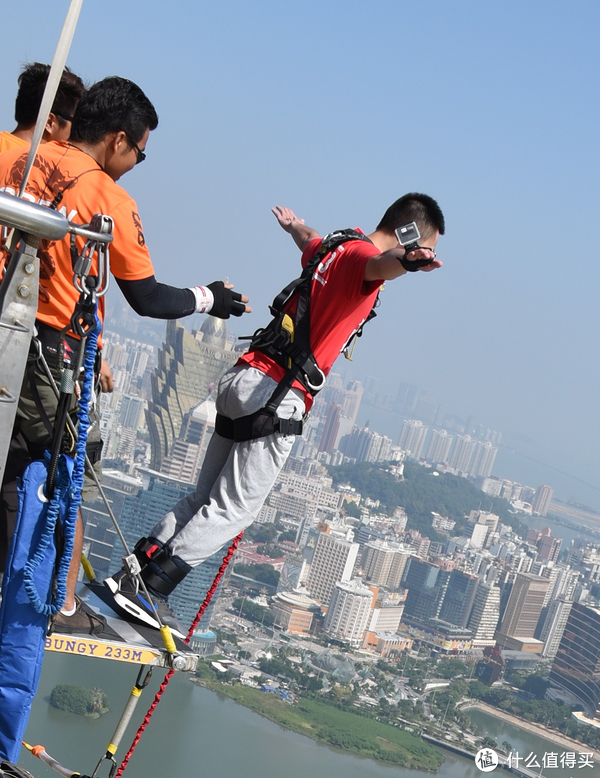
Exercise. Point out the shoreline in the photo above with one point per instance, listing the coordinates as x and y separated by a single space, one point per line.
536 729
307 731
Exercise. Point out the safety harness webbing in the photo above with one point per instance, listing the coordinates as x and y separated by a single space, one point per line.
286 340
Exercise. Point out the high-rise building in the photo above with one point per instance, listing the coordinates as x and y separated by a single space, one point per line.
383 563
365 445
460 458
406 398
131 411
387 612
554 626
458 600
333 561
412 437
380 448
351 402
485 615
189 366
427 584
189 448
576 666
439 447
548 546
330 431
99 532
523 610
483 460
541 499
349 611
479 534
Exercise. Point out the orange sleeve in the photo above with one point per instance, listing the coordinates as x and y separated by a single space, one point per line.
129 255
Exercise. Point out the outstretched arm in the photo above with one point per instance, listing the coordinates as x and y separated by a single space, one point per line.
387 266
289 222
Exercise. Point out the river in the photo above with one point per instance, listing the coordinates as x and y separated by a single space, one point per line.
195 731
525 743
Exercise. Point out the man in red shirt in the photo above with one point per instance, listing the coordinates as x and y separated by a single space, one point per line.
109 133
238 472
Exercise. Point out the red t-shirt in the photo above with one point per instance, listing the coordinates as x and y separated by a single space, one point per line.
340 301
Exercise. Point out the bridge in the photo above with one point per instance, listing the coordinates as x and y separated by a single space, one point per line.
523 772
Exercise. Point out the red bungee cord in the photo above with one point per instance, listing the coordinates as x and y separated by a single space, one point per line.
167 678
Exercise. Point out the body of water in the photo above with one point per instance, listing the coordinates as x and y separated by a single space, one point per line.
193 732
197 732
568 534
525 743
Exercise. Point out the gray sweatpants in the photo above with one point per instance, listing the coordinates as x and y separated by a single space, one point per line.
235 478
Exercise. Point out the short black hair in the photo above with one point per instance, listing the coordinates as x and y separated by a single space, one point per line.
32 82
414 207
111 105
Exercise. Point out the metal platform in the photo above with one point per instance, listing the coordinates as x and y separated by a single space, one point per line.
123 641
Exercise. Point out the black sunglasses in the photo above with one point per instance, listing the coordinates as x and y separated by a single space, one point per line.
141 155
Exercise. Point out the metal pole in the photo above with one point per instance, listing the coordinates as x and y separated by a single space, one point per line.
54 77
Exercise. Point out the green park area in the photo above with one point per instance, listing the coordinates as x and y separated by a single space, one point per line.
340 728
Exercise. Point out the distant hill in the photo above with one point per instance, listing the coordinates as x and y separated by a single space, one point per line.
421 492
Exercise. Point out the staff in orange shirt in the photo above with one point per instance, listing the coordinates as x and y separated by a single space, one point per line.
32 82
109 133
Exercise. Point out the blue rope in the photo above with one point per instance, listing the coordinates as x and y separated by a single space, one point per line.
69 490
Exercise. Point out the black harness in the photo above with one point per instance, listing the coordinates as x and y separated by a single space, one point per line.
286 340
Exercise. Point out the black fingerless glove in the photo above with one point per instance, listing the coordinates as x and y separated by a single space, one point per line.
227 302
412 265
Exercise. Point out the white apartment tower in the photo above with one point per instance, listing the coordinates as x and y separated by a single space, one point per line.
485 615
349 611
439 447
333 561
541 499
483 459
460 459
412 437
554 626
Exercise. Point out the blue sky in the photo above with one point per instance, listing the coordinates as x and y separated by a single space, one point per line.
337 108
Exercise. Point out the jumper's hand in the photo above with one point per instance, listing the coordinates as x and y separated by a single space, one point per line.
107 380
286 217
420 255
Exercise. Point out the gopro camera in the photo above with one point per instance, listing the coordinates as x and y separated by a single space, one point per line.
408 236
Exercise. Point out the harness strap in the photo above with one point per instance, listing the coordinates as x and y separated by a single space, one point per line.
263 422
286 340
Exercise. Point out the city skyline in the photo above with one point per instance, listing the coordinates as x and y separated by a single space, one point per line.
355 400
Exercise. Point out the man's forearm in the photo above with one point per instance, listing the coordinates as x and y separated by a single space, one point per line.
387 266
302 234
150 298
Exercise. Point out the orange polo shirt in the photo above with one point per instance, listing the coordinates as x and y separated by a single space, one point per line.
62 169
9 141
